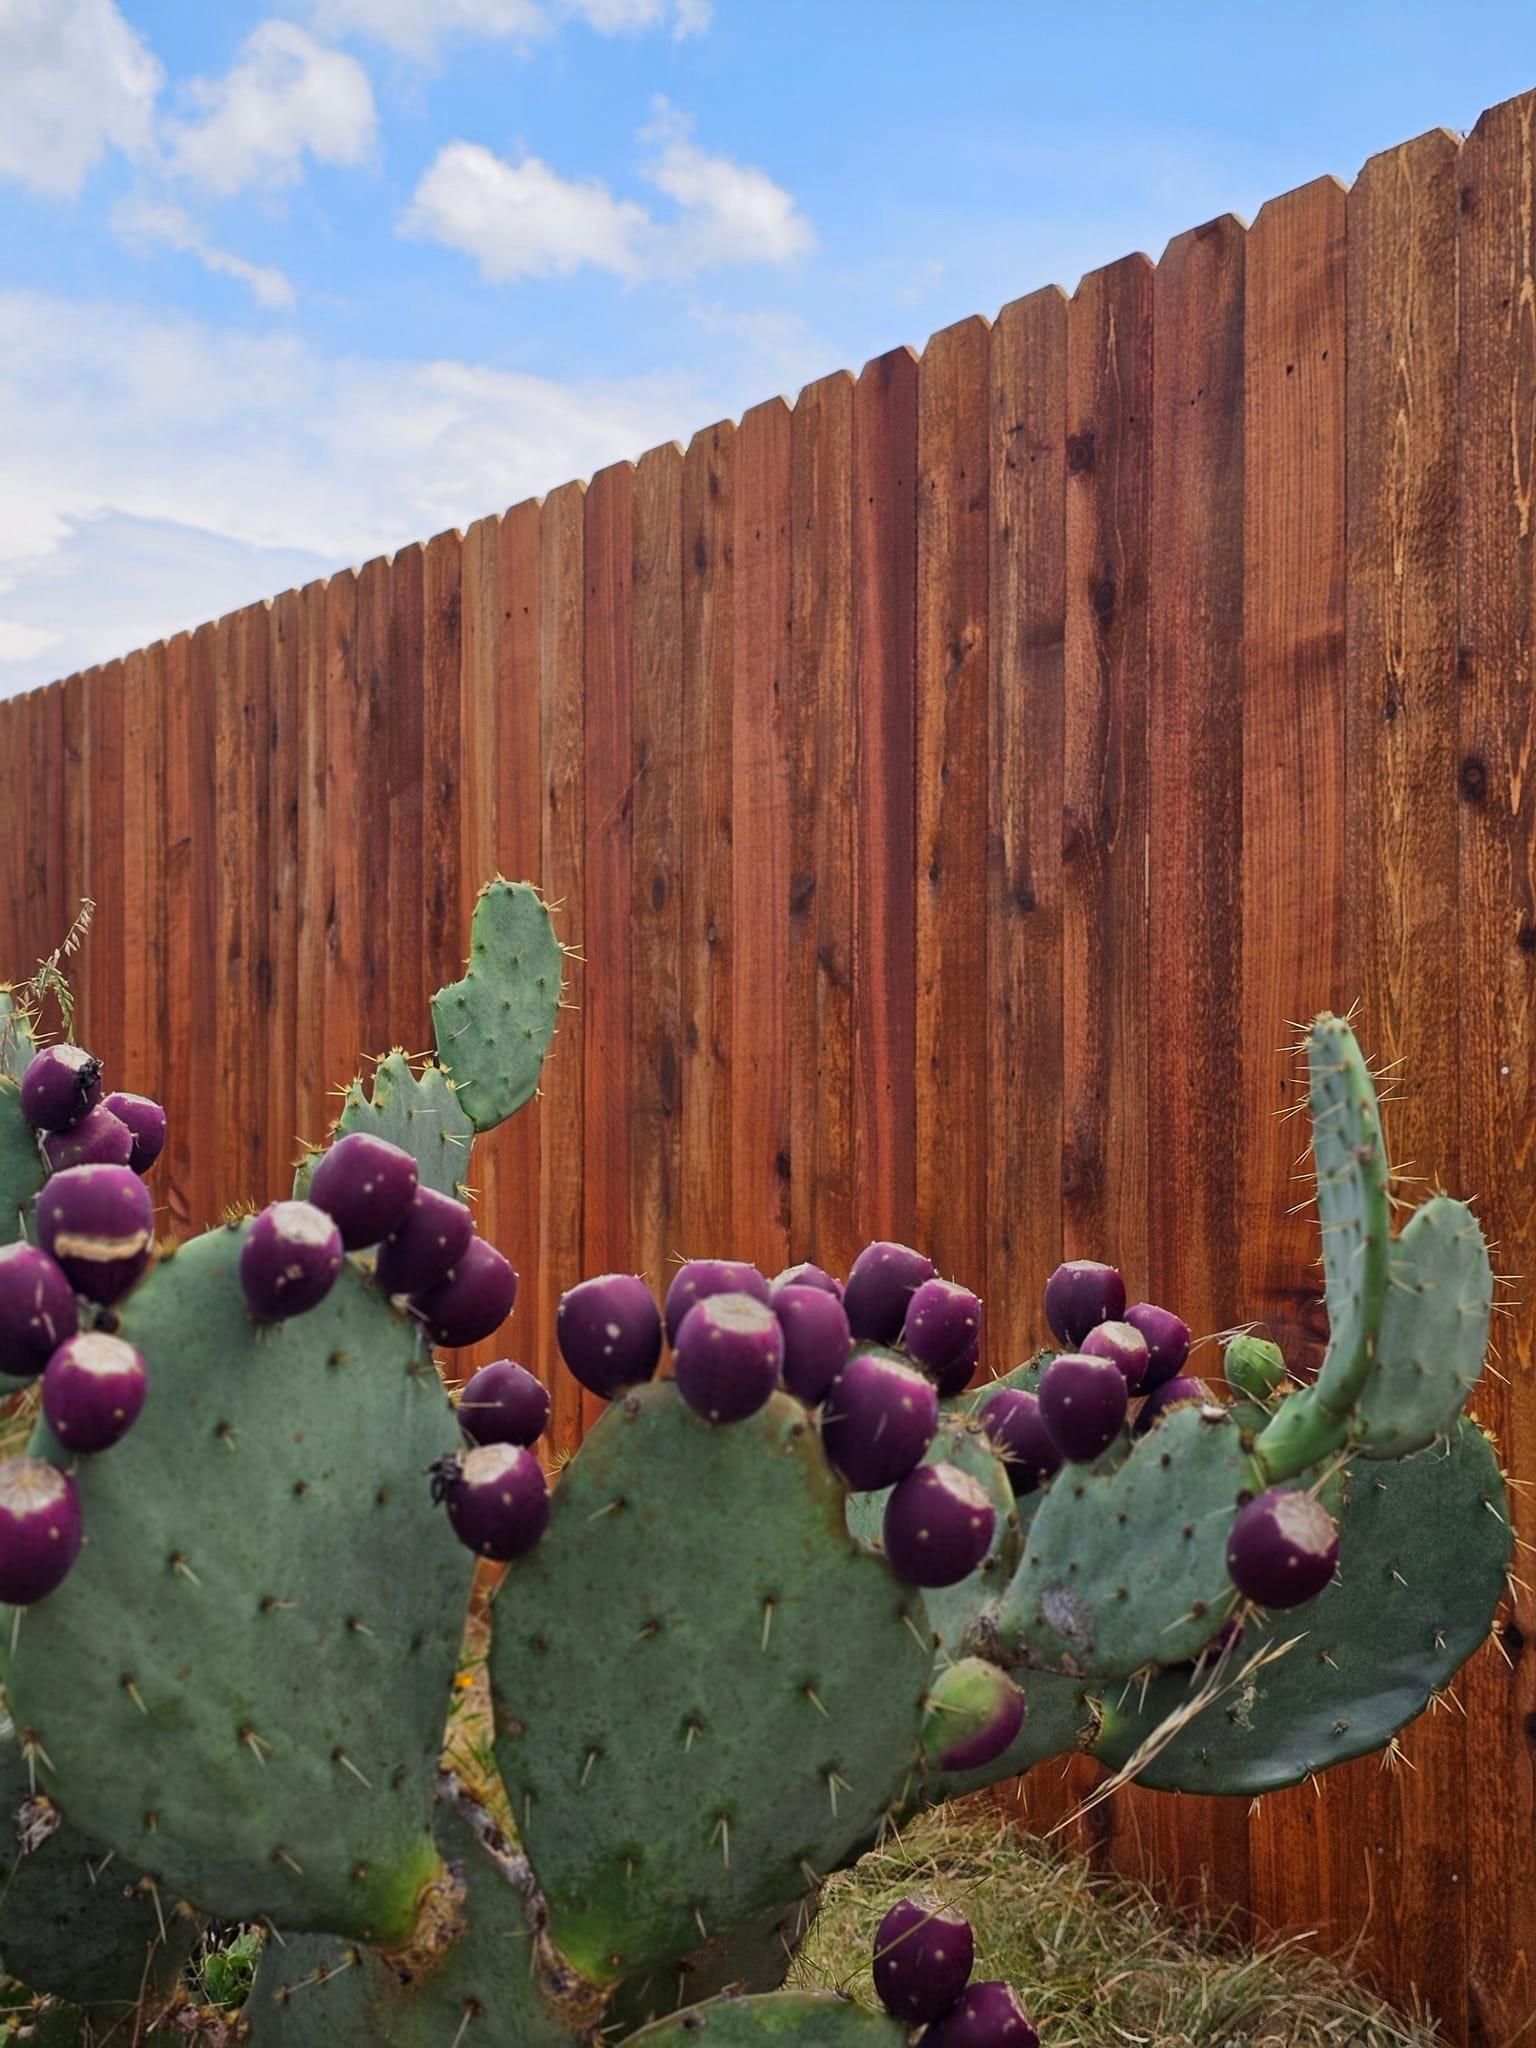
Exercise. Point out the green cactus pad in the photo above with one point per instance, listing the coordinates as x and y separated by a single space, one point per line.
799 2019
1025 1377
17 1042
752 1958
74 1922
418 1111
317 1992
696 1606
1424 1547
494 1026
1126 1568
22 1172
1434 1331
242 1683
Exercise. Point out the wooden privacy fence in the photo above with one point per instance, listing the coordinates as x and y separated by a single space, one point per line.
953 783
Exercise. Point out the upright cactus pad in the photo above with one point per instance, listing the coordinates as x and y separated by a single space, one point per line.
1434 1331
1425 1546
17 1043
494 1026
776 2019
21 1164
418 1110
241 1685
695 1609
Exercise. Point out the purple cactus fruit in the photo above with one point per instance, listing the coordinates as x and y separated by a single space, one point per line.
39 1529
289 1261
99 1223
60 1084
1123 1345
728 1354
1167 1338
146 1126
924 1951
427 1245
938 1526
98 1139
1013 1422
958 1374
974 1711
805 1275
503 1404
1080 1294
1082 1403
475 1299
986 2015
37 1310
366 1186
881 1282
497 1499
942 1331
1282 1548
1178 1392
700 1278
880 1417
609 1332
93 1390
815 1340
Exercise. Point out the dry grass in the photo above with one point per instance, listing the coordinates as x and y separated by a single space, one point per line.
1098 1963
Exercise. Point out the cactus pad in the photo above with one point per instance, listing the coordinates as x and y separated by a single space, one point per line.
696 1606
17 1043
1434 1331
494 1026
21 1164
419 1112
1127 1567
1421 1572
795 2019
242 1684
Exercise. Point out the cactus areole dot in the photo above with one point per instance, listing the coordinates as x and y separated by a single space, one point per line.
93 1390
366 1186
924 1951
497 1499
1080 1294
99 1223
608 1329
37 1309
1282 1548
728 1354
61 1083
881 1283
289 1261
146 1124
503 1404
938 1526
879 1418
39 1529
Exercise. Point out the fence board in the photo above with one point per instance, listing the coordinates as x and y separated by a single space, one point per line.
285 1115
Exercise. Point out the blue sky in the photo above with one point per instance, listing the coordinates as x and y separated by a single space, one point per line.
285 285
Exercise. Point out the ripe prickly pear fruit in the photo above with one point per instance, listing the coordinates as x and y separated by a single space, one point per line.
1179 1392
728 1353
93 1389
942 1331
289 1261
1282 1548
1083 1402
98 1139
609 1332
879 1418
475 1299
427 1245
699 1278
815 1339
805 1274
938 1526
973 1712
881 1283
1123 1345
1016 1429
1253 1367
366 1186
924 1951
503 1404
60 1084
37 1310
1080 1294
986 2015
497 1499
39 1529
146 1126
1167 1338
99 1223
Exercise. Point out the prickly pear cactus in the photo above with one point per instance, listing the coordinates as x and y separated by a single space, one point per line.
495 1025
416 1108
795 2019
1434 1332
17 1039
22 1172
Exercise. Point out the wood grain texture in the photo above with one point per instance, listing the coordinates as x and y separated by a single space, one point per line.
404 739
285 1116
446 943
377 945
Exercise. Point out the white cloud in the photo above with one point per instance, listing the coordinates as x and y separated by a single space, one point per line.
23 643
75 81
145 223
285 97
420 28
525 220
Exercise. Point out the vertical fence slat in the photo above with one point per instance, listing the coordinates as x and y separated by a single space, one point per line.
378 944
409 983
885 905
656 754
446 943
134 1061
286 1117
18 770
99 974
1496 919
953 432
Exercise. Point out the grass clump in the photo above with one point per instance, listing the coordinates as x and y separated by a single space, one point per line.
1097 1960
